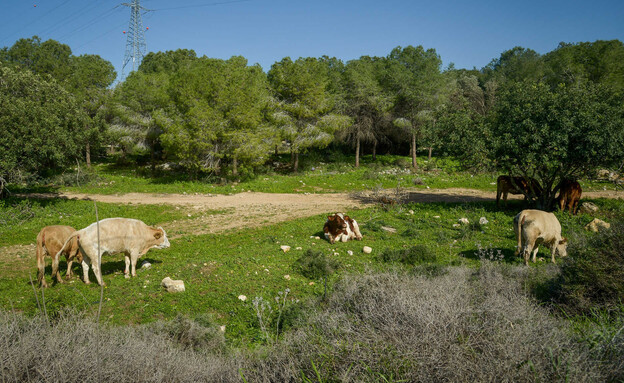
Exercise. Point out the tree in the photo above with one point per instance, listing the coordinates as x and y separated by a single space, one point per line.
516 64
90 77
47 58
552 135
414 79
217 114
41 125
365 103
304 105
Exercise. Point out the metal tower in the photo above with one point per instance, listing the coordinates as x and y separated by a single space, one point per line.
135 41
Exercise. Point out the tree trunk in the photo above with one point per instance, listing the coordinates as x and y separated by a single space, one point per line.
296 163
276 153
234 166
430 149
88 154
357 153
153 161
375 151
413 150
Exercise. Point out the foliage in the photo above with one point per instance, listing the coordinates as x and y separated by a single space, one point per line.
41 122
314 264
410 256
592 277
556 134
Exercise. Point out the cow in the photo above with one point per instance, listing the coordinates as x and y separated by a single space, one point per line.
49 241
570 192
340 227
117 235
534 227
516 185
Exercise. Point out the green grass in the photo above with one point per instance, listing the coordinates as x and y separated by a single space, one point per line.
216 269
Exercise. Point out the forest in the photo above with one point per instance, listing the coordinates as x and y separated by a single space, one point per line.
551 117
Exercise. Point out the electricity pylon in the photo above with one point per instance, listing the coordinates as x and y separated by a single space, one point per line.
135 41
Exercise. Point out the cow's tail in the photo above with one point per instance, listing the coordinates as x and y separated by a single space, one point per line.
518 222
65 244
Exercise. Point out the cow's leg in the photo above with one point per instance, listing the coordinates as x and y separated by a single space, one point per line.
97 270
127 260
535 253
505 198
85 269
69 273
356 231
41 266
552 252
575 209
498 195
55 268
134 256
528 247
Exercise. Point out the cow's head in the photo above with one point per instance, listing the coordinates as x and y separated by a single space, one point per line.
562 246
161 239
336 222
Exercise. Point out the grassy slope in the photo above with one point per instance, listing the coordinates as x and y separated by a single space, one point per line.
218 268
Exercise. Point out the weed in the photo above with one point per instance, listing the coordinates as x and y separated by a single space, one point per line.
416 254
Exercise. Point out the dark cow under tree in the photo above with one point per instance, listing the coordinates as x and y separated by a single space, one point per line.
530 187
570 192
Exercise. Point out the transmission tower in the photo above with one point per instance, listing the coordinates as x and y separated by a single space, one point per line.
135 41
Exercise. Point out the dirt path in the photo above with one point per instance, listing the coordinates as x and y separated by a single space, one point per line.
251 209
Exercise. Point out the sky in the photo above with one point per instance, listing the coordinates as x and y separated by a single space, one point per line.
468 34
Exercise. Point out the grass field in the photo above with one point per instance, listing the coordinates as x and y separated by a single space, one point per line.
218 268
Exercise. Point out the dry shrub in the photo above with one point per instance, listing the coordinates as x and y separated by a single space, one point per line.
66 351
459 327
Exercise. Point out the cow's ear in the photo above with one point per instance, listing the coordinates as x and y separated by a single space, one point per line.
158 234
330 217
564 240
346 218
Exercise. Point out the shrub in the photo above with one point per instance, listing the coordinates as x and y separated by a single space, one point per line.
592 276
315 264
411 256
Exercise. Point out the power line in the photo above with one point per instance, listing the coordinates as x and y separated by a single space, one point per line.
92 21
35 20
201 5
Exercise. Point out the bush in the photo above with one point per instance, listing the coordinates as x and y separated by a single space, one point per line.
416 254
315 264
592 276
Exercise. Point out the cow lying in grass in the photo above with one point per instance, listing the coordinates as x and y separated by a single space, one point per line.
534 227
117 235
340 227
49 242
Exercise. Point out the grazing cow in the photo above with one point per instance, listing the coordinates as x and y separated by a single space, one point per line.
570 193
340 227
516 185
533 227
49 241
118 235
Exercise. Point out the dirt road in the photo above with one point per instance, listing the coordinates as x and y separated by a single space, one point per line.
251 209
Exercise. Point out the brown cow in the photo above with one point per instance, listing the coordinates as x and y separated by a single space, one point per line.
570 193
534 227
516 185
49 241
117 235
340 227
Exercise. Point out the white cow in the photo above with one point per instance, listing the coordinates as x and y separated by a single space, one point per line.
533 227
117 235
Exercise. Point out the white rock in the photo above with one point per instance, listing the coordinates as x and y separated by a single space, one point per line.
146 265
367 249
456 225
588 208
242 297
298 248
389 229
436 216
222 328
173 286
463 221
596 225
483 221
287 277
411 212
350 252
285 248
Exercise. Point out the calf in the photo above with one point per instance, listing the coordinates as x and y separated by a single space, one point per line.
516 185
340 227
570 193
533 227
118 235
49 242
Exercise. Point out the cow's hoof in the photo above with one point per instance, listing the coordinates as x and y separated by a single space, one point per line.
127 276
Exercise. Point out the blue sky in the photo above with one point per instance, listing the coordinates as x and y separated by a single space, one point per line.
467 33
